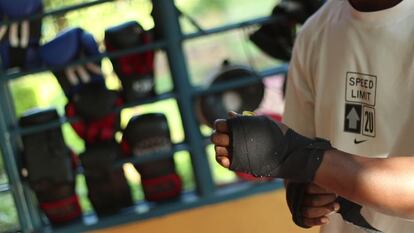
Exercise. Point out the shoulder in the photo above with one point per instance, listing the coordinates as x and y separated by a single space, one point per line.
328 14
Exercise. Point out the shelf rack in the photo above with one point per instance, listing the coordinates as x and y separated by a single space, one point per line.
184 92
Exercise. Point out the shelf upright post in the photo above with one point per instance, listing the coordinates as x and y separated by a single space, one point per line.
29 217
166 19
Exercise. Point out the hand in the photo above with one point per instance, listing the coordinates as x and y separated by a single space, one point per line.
317 205
221 140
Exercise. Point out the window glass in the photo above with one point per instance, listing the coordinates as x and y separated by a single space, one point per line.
8 214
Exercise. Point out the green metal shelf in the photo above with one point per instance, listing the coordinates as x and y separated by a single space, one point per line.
197 91
14 74
232 26
242 82
153 156
58 11
206 192
57 123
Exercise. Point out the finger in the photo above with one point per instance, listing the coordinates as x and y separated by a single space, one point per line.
317 200
316 212
315 189
223 161
310 222
220 139
232 114
221 151
221 126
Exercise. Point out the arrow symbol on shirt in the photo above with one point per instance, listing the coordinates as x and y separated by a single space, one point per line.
353 119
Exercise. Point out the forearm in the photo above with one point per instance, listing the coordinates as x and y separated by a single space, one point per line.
384 184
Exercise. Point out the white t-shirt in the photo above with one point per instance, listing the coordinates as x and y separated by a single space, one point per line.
351 80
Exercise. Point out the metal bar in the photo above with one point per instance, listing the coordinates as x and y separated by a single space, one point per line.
148 157
191 20
143 48
233 26
188 201
196 91
24 209
282 69
4 188
167 20
240 82
38 128
11 119
57 123
163 96
58 11
139 49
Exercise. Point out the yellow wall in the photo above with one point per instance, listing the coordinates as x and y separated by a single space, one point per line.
262 213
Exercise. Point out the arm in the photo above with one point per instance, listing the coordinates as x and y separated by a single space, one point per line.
317 202
384 184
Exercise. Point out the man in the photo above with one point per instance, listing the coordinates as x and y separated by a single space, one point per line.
351 81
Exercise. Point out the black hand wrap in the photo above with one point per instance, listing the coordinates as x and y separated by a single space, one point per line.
260 148
350 211
295 194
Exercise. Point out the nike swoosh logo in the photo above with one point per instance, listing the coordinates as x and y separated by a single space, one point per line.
358 142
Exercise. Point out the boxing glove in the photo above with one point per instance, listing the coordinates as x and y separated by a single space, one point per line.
99 128
69 46
108 189
150 133
276 39
84 85
19 40
136 71
50 166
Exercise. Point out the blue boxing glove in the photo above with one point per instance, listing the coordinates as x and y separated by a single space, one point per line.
69 46
19 41
83 85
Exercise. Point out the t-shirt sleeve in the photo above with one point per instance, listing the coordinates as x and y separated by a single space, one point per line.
299 113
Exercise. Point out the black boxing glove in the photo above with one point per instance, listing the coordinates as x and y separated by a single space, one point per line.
96 108
136 70
108 188
259 147
50 166
150 133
